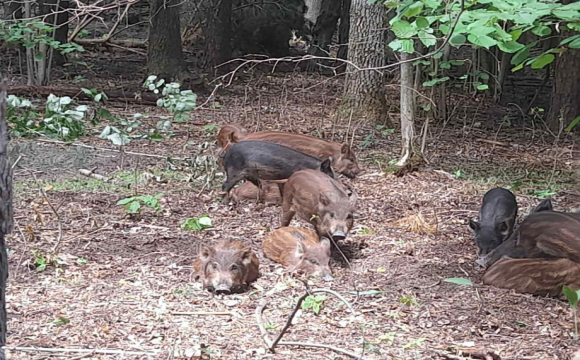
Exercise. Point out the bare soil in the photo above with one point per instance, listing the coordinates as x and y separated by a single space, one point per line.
117 282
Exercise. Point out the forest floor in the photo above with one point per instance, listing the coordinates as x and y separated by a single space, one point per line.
119 283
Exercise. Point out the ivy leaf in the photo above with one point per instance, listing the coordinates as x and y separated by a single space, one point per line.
457 40
542 30
481 40
510 47
427 39
542 61
413 10
403 29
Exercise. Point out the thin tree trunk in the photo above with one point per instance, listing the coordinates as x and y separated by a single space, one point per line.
6 212
164 55
565 104
219 33
323 30
407 111
344 29
364 90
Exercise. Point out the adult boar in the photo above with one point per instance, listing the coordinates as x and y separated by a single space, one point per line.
259 160
322 201
344 159
227 267
299 249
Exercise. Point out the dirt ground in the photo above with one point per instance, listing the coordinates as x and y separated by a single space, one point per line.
119 283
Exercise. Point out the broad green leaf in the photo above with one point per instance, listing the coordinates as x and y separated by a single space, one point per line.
574 26
571 295
413 10
432 4
481 40
134 207
542 61
396 44
569 40
445 65
573 124
125 201
403 29
520 56
483 76
516 34
519 67
501 34
205 221
457 40
433 82
482 87
525 18
427 39
574 44
568 15
422 22
459 281
119 139
542 30
510 47
407 46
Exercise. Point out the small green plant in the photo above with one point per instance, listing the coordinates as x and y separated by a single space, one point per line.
368 141
60 321
313 302
179 103
414 343
542 194
210 129
134 204
42 261
82 261
197 224
270 326
61 121
409 301
99 98
21 114
572 297
384 130
458 174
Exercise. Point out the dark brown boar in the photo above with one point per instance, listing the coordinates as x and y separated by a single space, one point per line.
227 267
344 159
247 191
299 249
322 201
534 276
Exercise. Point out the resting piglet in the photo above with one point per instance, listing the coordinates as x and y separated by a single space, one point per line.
322 201
247 191
227 267
259 160
299 249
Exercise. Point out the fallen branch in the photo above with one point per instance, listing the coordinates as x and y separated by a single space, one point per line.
195 313
272 344
493 142
89 351
91 174
123 95
130 43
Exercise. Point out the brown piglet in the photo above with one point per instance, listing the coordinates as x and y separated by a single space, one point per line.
247 191
228 267
299 249
322 201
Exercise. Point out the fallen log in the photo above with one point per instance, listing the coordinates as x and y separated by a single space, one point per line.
130 43
123 95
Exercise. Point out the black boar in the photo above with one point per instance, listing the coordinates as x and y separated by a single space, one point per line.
320 200
299 249
260 160
228 267
496 220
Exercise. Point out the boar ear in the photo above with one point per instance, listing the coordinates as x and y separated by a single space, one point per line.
246 255
474 225
205 253
300 249
545 205
326 167
503 227
325 242
344 149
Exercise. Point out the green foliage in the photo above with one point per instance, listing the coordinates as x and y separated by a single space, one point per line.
42 261
21 115
542 194
61 120
179 103
82 261
135 204
414 343
459 281
197 224
572 296
409 301
60 321
313 302
572 124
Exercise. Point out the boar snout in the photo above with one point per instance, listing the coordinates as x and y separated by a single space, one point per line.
222 289
338 235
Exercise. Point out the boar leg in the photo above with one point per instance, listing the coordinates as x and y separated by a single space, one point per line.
287 212
232 181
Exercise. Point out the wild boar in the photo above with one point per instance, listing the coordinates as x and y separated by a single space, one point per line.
534 276
299 249
247 191
322 201
496 220
345 161
229 135
227 267
260 160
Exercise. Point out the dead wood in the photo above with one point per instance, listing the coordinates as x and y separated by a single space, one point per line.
129 43
123 95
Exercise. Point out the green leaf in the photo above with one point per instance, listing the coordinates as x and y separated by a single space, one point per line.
574 26
396 44
205 221
125 201
575 44
445 65
542 61
413 10
427 39
481 40
457 40
569 40
521 55
403 29
60 321
482 87
38 57
519 67
568 15
516 34
459 281
573 124
571 295
542 30
433 82
134 207
510 47
432 4
422 23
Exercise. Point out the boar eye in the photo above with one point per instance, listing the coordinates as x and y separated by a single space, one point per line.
332 215
234 267
313 261
214 266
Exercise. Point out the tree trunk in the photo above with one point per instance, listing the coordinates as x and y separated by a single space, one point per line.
407 111
364 91
219 33
49 7
344 29
164 55
323 30
6 212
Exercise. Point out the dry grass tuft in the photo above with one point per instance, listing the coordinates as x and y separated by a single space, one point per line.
416 223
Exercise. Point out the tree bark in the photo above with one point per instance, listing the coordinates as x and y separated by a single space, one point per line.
219 34
407 111
565 104
6 212
364 92
344 29
164 54
323 30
